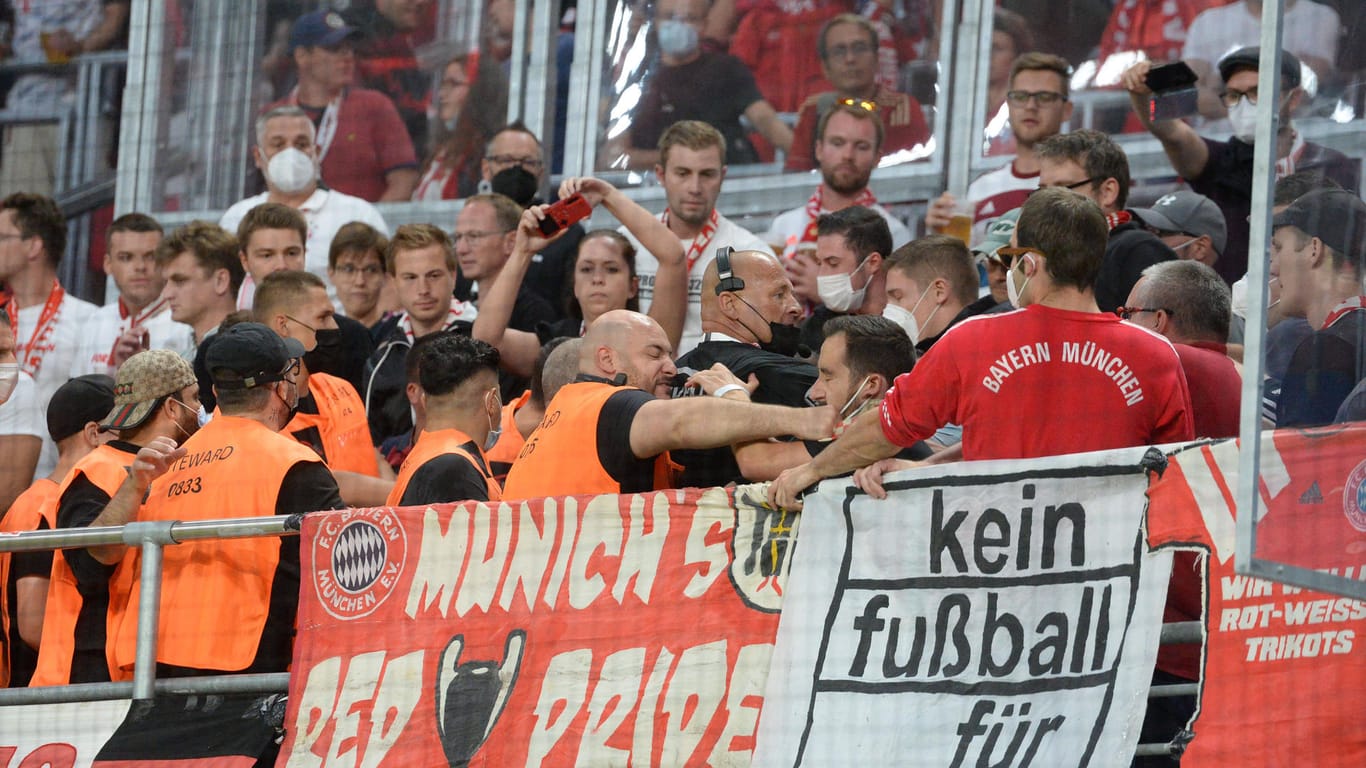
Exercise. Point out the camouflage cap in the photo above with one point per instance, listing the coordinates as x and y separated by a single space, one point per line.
142 382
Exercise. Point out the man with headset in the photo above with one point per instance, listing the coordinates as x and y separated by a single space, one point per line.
749 325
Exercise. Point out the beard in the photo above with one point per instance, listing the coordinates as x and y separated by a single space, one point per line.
845 182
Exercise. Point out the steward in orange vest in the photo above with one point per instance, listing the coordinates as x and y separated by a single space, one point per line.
73 416
331 416
156 402
229 605
458 377
605 434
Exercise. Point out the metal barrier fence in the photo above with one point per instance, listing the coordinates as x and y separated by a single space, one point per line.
151 537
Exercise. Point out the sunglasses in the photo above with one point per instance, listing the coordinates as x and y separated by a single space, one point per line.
1007 254
863 104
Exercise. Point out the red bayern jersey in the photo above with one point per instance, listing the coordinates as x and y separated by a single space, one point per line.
1041 382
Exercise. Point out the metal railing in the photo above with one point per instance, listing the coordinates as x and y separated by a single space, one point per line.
150 538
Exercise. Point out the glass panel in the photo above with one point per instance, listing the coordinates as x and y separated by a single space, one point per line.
388 101
757 74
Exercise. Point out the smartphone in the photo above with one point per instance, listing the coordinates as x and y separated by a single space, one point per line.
565 213
1174 91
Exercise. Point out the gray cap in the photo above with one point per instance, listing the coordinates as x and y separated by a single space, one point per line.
1190 213
998 233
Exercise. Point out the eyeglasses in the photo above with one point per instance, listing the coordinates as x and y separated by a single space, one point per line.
449 85
475 236
1231 97
1006 254
1126 313
527 163
863 104
855 49
11 236
291 368
1042 98
350 270
1074 186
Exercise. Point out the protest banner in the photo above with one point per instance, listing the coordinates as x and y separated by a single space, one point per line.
1283 666
57 735
574 631
998 613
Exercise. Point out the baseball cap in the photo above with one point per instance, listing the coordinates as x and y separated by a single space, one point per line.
248 355
1249 57
1335 216
1188 212
78 402
323 28
998 233
143 380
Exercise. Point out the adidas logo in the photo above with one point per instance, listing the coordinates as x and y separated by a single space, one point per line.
1313 495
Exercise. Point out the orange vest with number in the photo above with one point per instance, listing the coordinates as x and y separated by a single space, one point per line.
341 423
39 502
560 457
510 442
105 467
430 445
215 593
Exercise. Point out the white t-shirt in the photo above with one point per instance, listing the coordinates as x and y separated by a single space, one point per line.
57 352
996 192
40 93
104 326
1308 29
326 211
793 223
727 233
20 414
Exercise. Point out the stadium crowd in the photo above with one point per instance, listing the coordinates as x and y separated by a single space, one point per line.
297 355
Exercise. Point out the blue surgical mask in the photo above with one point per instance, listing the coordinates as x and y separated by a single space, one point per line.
676 38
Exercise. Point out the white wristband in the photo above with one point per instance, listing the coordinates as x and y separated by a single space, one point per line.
722 391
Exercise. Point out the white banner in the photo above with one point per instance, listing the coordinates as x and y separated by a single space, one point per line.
57 735
980 615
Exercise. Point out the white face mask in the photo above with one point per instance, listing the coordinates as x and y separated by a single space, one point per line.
837 291
906 318
1243 119
1013 293
9 378
291 171
204 416
676 38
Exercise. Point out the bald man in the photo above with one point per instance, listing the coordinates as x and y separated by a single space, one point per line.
611 429
749 325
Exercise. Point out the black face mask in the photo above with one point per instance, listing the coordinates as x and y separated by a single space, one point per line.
785 341
329 356
516 183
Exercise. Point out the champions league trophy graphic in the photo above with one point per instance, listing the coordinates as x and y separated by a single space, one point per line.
471 696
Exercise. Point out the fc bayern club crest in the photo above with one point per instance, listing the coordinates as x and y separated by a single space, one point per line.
1354 497
358 557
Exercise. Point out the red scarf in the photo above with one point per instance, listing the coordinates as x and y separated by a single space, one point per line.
699 243
31 354
816 204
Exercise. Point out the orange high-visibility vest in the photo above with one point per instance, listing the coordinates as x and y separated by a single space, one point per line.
560 457
510 442
105 467
37 503
341 423
215 593
430 445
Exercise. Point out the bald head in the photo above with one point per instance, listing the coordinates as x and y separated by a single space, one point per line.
626 342
561 365
745 312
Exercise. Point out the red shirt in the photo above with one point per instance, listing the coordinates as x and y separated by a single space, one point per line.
1216 388
369 142
1042 382
901 117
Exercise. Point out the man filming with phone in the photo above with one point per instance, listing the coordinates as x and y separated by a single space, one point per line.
1222 170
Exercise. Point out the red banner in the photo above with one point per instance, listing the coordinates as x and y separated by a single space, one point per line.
576 631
